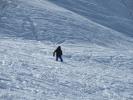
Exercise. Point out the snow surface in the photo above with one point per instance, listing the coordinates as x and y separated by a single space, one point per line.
98 59
42 20
116 14
29 72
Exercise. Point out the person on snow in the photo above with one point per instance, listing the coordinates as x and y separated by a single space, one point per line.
58 53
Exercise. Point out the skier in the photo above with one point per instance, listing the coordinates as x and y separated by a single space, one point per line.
58 53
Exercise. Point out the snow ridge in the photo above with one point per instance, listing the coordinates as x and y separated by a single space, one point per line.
117 15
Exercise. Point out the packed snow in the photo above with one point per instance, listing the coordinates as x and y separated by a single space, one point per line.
98 59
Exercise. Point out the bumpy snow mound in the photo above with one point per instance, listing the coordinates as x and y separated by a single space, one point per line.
116 14
42 20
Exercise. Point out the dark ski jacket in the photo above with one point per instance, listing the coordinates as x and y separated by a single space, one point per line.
58 52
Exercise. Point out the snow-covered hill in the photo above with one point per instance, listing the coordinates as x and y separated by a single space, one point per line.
116 14
42 20
30 30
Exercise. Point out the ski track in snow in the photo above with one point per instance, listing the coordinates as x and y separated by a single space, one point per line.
29 72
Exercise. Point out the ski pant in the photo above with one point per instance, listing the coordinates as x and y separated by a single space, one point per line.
59 57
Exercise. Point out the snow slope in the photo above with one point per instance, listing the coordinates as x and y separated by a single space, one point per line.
117 15
92 70
28 72
42 20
